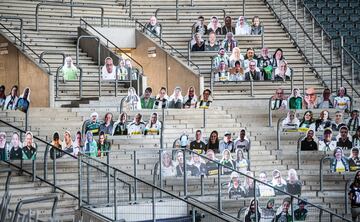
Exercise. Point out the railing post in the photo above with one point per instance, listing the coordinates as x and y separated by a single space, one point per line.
322 50
115 198
189 49
177 10
57 82
160 172
135 175
80 81
313 36
204 118
292 208
337 79
270 112
298 152
54 169
243 7
202 185
185 173
80 180
33 170
303 79
352 78
332 63
219 189
88 183
251 88
255 202
153 205
342 58
321 174
108 176
296 18
71 9
346 197
304 20
278 134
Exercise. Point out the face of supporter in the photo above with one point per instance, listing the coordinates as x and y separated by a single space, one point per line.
264 52
196 159
89 137
214 21
78 138
355 153
137 118
311 96
109 65
278 54
286 206
228 22
67 138
210 155
153 20
338 154
29 140
283 67
241 20
177 93
201 21
222 52
94 118
128 63
206 95
327 136
343 133
191 92
14 140
162 93
279 93
354 115
147 94
325 115
252 206
256 21
270 205
338 117
229 35
237 67
14 91
167 160
213 137
101 139
153 118
252 66
227 138
108 118
292 177
250 53
310 135
26 93
341 92
2 139
198 38
212 38
68 62
226 155
222 66
240 155
242 135
326 95
296 92
198 136
180 158
2 91
277 178
307 116
263 178
292 116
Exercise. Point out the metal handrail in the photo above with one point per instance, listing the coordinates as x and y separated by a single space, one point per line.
327 157
71 5
35 200
190 9
346 199
26 46
278 134
258 181
7 17
8 177
52 53
270 111
113 44
171 47
116 170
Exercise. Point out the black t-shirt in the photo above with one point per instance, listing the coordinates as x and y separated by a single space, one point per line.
308 145
347 144
295 188
198 147
212 168
15 154
355 191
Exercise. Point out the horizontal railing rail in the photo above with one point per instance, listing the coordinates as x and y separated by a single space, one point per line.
21 21
8 171
70 5
197 9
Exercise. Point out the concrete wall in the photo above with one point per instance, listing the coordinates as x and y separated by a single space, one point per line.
18 69
163 70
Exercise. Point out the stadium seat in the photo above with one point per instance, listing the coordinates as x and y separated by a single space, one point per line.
310 3
331 18
337 10
321 19
343 3
350 40
357 10
315 10
331 3
326 11
343 18
343 32
349 25
353 3
355 49
321 4
354 18
348 10
337 25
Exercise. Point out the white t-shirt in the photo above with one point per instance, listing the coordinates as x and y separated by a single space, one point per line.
105 75
135 129
330 146
342 102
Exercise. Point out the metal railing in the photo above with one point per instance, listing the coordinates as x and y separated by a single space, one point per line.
165 44
256 181
321 171
86 162
197 9
71 5
7 17
26 47
8 177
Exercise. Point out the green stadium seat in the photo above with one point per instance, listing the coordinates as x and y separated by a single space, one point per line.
337 25
337 10
348 10
343 18
331 3
326 11
349 25
354 3
331 18
343 32
321 4
315 10
343 3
